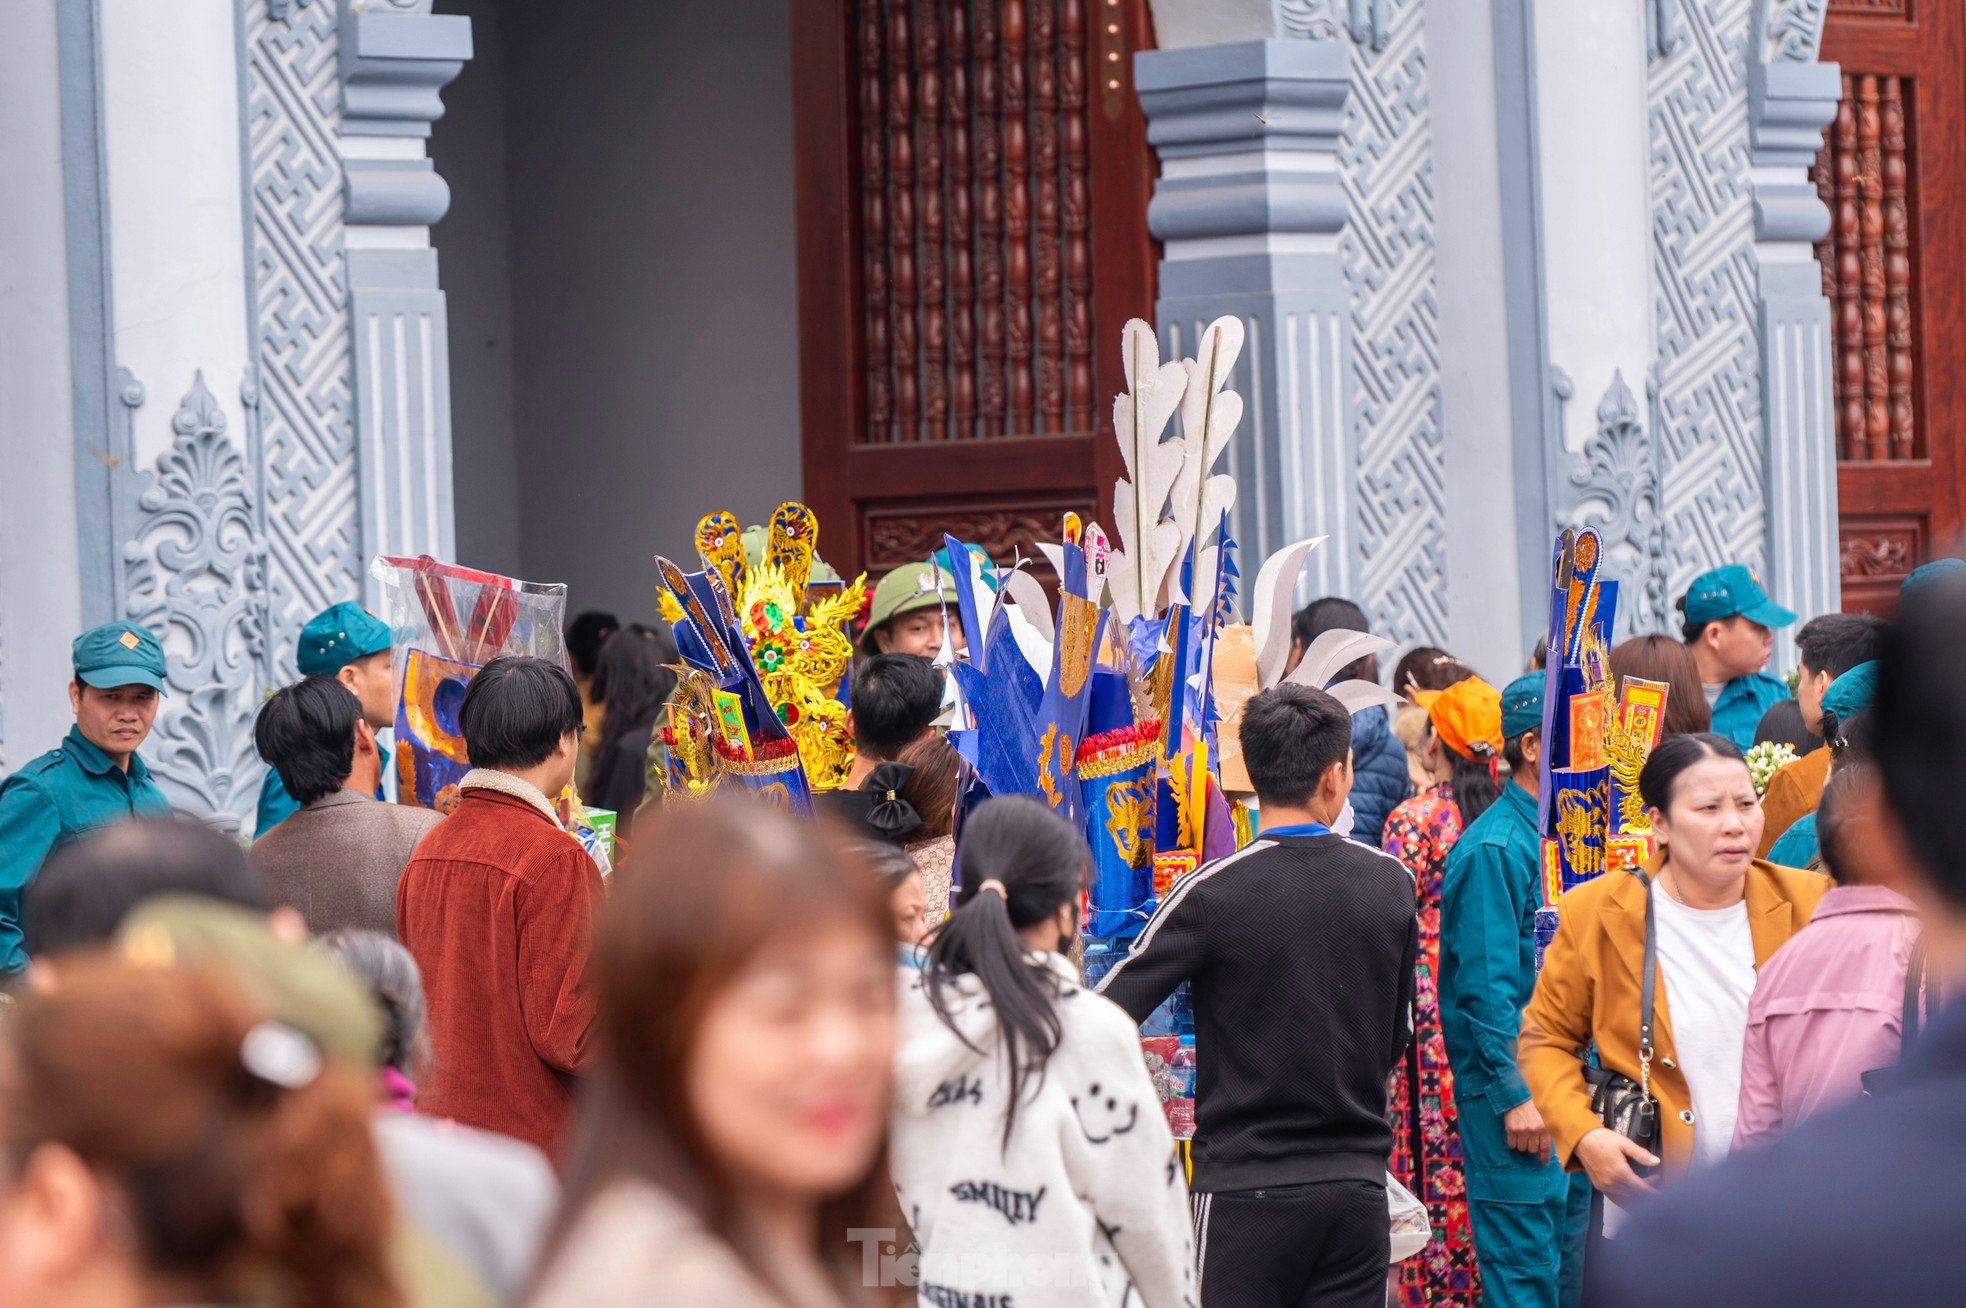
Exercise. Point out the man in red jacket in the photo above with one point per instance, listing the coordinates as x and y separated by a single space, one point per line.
497 906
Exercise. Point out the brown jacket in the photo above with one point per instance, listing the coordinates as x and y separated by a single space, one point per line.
1588 991
1792 793
497 907
338 859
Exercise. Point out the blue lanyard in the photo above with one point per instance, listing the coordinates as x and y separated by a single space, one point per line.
1296 829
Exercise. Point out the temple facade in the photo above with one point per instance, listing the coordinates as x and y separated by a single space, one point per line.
1675 268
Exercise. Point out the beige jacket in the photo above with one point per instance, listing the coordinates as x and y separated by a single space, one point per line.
338 860
635 1246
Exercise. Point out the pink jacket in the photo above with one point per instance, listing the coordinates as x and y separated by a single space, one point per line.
1827 1008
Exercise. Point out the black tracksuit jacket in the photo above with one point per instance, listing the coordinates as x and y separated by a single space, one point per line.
1301 952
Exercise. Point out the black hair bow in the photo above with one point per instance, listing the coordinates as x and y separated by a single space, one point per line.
891 815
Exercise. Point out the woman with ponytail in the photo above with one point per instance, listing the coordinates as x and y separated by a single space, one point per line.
161 1142
1462 752
1029 1149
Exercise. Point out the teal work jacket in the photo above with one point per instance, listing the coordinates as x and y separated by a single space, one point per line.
1489 893
1742 702
69 790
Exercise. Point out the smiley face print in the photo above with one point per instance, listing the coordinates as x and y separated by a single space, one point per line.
1102 1116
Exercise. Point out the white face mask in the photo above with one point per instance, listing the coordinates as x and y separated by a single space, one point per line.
1343 826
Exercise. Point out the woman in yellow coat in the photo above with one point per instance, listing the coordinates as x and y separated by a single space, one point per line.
1719 914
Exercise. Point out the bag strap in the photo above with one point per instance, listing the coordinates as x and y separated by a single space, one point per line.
1648 977
1914 992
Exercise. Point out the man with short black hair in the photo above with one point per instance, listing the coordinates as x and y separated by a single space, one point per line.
350 644
1827 647
1380 779
896 699
338 858
1300 948
497 907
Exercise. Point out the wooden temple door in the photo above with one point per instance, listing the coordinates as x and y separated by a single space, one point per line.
973 178
1893 172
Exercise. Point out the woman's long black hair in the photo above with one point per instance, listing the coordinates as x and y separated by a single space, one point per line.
1476 783
1041 860
633 679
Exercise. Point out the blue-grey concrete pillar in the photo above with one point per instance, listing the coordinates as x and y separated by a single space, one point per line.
1249 207
1791 100
393 66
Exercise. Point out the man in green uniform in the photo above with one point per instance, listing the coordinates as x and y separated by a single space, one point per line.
93 778
350 644
1730 629
1529 1217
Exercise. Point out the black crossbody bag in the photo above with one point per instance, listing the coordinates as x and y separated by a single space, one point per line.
1622 1104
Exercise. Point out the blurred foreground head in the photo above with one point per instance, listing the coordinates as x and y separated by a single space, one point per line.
81 898
1919 732
744 965
162 1140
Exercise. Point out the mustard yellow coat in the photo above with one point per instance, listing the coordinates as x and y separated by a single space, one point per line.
1589 991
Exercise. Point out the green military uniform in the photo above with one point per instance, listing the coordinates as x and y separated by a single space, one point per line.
1529 1217
331 640
75 787
1734 591
1742 702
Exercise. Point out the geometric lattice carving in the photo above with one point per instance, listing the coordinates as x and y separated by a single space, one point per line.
1386 164
192 573
1704 295
306 436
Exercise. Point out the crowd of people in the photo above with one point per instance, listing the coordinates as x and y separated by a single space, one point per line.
385 1057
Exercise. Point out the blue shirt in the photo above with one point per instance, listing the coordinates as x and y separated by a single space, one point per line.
66 792
1797 846
1490 890
1742 702
1296 829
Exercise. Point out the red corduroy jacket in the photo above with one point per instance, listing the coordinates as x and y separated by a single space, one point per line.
497 905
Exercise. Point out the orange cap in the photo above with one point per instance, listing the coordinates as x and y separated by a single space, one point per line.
1467 717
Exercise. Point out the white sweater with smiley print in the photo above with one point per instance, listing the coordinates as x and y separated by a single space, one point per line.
1086 1206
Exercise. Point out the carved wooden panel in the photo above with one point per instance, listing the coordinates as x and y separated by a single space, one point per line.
985 167
1871 8
909 534
973 183
1862 175
1894 271
1876 555
1874 551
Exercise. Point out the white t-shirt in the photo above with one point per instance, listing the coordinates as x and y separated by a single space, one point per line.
1706 965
